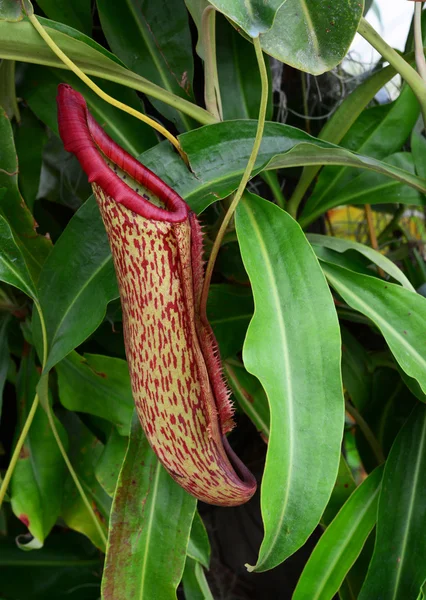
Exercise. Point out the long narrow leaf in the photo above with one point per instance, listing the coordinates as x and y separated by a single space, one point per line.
150 526
293 348
341 543
398 313
397 570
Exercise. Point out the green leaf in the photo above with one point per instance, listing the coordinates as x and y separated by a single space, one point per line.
194 581
85 451
253 16
343 488
30 139
198 545
378 132
98 385
293 348
249 394
13 269
238 71
398 313
76 284
20 41
196 9
341 543
39 89
343 245
151 521
229 310
153 39
77 14
33 247
314 35
218 155
38 478
108 467
395 571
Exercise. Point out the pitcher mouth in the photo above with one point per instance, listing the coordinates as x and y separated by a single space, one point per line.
113 169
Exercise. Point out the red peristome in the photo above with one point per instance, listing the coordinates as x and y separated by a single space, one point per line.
175 368
84 137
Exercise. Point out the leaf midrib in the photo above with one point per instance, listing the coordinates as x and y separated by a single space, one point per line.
149 530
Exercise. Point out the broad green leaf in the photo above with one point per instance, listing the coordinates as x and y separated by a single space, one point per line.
77 14
253 16
38 478
293 347
249 394
153 39
198 545
39 89
20 41
11 10
30 139
5 359
378 132
343 245
357 369
107 469
396 571
84 452
229 310
343 488
238 71
68 566
98 385
398 313
33 247
341 543
218 155
194 582
313 35
151 521
76 284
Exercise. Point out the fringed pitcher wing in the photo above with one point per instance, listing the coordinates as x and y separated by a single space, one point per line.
156 243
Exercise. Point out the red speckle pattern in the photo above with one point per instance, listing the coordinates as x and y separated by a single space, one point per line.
170 378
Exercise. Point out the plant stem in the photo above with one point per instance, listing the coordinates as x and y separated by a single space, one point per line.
18 448
404 69
95 88
245 178
365 428
212 89
418 40
271 178
372 234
